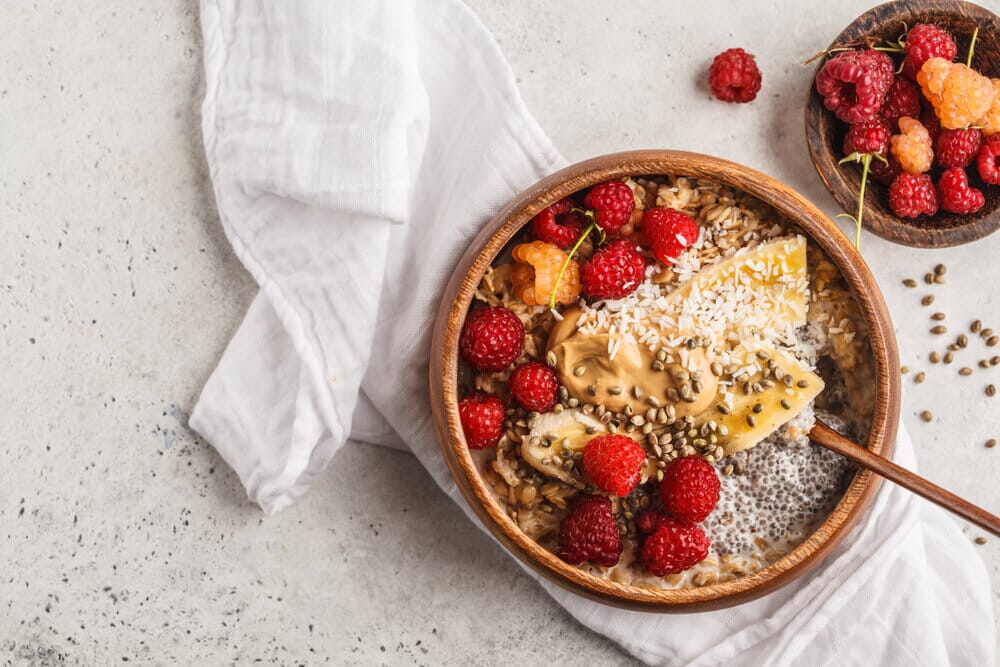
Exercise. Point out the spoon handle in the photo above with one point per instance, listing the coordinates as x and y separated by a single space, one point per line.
827 437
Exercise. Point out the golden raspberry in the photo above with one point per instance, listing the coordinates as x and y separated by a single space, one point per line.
534 274
991 123
913 148
960 95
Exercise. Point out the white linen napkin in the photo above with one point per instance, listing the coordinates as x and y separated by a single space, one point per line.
355 149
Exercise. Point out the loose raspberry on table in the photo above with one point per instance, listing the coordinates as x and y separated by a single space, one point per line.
988 161
668 232
960 95
734 76
957 148
613 272
911 195
612 203
870 136
558 224
534 385
613 463
675 546
689 489
482 419
853 84
956 195
903 99
913 147
923 42
536 267
885 172
491 339
590 533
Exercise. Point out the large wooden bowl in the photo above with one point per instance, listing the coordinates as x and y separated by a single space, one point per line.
444 367
825 134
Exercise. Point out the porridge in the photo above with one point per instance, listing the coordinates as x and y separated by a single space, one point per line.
642 370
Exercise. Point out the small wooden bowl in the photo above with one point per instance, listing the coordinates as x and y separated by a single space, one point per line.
444 367
825 134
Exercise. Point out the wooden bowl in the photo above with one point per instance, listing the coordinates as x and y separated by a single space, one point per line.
825 134
444 367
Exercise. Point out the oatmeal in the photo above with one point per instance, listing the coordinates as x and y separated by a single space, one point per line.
687 386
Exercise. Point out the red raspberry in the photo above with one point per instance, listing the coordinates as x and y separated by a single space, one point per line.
491 339
930 123
734 76
903 99
613 463
674 547
689 489
957 148
482 419
557 224
956 195
534 386
854 83
885 172
590 533
913 194
988 161
612 203
924 42
669 232
612 272
870 136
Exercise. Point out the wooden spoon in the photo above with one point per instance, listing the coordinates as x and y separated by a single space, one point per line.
827 437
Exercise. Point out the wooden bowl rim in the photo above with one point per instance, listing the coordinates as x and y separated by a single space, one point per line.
444 364
843 182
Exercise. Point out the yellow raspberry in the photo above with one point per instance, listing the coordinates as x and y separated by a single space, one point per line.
960 95
991 123
913 147
535 272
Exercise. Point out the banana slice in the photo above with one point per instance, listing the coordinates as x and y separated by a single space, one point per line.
749 418
565 431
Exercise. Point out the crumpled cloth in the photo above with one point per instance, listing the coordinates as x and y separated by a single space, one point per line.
355 149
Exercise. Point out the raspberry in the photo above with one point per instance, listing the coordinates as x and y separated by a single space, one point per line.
988 161
854 83
491 338
960 95
689 489
482 419
913 194
535 272
612 203
614 271
957 148
931 124
991 122
590 533
613 463
534 386
557 224
956 195
903 99
669 232
674 547
734 76
885 172
870 136
924 42
913 147
647 522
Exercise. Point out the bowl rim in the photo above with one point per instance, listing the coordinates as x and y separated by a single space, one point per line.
843 182
444 363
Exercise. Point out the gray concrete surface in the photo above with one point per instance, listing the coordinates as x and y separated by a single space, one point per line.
123 537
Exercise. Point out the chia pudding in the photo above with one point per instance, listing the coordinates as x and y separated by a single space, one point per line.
726 350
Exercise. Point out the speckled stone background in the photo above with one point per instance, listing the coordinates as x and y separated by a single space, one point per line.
123 537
